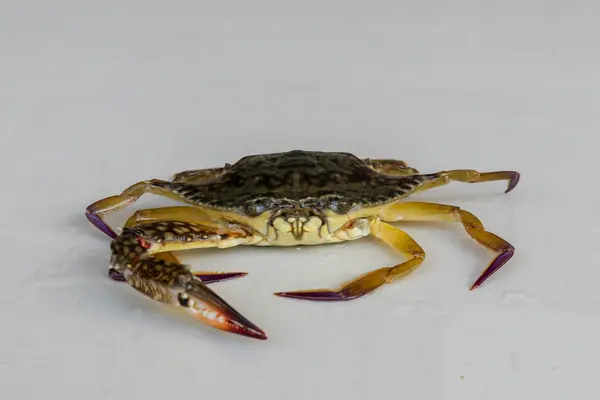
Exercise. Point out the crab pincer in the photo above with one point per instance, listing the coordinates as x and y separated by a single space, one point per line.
161 278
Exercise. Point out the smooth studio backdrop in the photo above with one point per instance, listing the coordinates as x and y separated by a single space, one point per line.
95 96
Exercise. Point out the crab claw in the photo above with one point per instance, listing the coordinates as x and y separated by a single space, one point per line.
207 306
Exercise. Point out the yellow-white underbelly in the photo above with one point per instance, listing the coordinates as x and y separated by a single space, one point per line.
306 232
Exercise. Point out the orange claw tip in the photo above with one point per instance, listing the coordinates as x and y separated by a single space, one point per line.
255 333
236 324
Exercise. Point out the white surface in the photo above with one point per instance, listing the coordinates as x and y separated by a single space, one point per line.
95 98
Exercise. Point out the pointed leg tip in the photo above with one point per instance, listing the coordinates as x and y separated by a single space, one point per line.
98 223
316 295
218 276
514 180
496 264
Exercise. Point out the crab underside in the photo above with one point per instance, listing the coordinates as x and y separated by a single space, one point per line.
283 199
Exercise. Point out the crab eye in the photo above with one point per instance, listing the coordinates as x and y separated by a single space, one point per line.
340 206
255 208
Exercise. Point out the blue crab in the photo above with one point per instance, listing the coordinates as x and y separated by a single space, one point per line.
281 199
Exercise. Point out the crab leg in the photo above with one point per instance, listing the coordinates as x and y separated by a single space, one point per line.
473 226
172 283
470 176
364 284
108 205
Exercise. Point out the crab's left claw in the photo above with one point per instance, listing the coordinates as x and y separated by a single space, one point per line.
170 282
182 289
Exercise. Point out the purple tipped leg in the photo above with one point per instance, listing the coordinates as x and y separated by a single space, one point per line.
513 181
98 223
211 277
319 295
494 266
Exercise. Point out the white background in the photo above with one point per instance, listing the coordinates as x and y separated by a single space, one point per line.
96 97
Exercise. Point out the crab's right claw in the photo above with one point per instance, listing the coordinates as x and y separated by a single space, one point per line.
207 306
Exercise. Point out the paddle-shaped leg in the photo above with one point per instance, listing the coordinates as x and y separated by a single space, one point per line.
415 211
133 257
367 283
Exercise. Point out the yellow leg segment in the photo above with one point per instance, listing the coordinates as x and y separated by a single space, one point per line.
474 227
367 283
95 211
471 176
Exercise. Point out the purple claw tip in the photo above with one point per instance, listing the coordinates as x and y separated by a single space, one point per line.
514 180
116 275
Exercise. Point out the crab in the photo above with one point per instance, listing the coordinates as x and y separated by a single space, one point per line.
280 199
